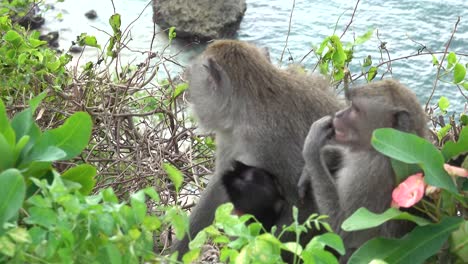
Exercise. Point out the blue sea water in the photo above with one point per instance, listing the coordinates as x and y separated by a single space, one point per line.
405 25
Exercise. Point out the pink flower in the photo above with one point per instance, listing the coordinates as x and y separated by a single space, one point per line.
455 171
409 192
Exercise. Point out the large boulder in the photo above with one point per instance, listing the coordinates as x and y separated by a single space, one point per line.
200 19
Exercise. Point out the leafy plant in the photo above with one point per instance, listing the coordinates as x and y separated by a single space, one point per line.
446 207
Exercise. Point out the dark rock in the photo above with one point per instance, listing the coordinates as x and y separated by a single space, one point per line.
75 49
199 19
31 21
91 14
51 38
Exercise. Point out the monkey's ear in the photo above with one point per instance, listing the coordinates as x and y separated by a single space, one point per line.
402 120
215 71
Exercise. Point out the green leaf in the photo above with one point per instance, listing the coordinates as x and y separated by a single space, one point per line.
172 34
465 85
459 242
443 131
13 37
5 127
13 190
464 119
435 61
451 60
179 89
417 246
412 149
372 73
83 174
459 73
365 219
364 38
331 240
72 137
49 154
86 40
367 61
6 153
339 56
34 102
444 103
115 22
174 174
452 149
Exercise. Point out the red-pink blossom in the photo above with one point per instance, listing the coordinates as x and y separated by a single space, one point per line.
409 192
455 171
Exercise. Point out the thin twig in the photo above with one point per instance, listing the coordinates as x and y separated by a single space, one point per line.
352 19
289 31
440 64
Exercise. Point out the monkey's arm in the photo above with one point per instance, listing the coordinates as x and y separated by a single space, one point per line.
316 173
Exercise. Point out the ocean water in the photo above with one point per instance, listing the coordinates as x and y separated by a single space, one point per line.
405 25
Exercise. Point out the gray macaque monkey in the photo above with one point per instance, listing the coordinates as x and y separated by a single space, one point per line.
343 169
260 116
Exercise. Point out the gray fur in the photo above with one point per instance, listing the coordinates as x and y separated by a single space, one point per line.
260 116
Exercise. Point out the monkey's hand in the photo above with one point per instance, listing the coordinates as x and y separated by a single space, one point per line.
319 134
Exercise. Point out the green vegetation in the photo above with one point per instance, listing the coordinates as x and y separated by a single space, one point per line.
96 166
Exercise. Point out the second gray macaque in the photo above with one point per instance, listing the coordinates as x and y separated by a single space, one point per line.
343 169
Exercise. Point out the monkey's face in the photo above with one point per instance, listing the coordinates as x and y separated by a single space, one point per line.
354 125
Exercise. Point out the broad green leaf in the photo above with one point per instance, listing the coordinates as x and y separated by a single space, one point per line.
151 192
452 149
372 73
174 174
115 22
13 37
113 255
34 102
361 39
412 149
451 60
417 246
367 61
319 256
19 146
459 73
329 239
443 131
444 103
86 40
22 123
6 154
83 174
5 127
19 235
191 256
459 242
72 137
365 219
13 191
464 119
49 154
322 47
179 89
465 85
339 56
